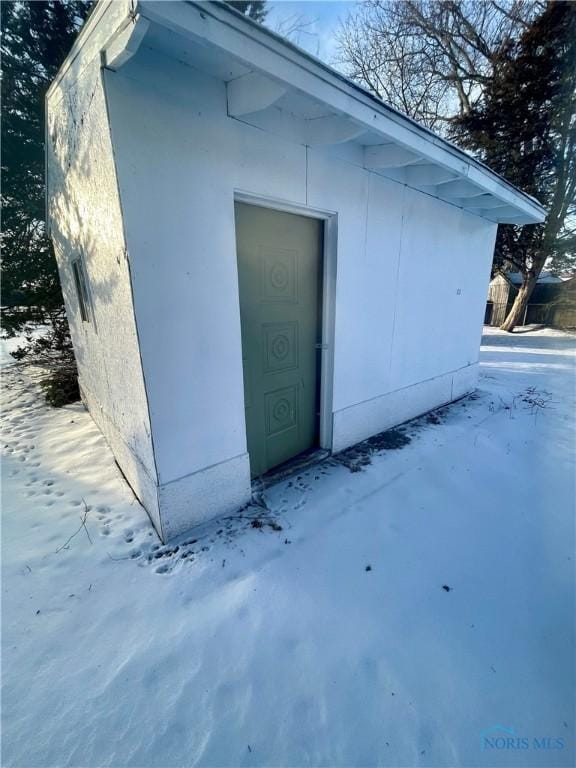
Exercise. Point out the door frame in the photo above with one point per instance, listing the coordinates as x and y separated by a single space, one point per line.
328 310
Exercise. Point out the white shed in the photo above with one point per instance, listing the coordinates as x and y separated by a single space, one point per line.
257 256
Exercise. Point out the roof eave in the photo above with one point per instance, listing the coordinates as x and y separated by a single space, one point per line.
361 104
117 36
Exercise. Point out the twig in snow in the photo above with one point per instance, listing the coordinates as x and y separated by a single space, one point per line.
535 400
86 510
82 525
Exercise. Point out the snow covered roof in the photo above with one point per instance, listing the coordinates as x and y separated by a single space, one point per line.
276 86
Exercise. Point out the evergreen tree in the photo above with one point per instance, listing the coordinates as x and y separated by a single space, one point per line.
36 37
524 127
254 9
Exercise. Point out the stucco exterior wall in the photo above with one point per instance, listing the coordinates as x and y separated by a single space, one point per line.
86 220
412 275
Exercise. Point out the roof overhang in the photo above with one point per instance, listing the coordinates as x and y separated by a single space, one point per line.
275 86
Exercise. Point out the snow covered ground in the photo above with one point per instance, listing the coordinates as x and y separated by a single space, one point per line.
419 611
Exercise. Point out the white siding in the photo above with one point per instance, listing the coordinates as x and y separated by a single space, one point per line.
402 257
412 273
86 221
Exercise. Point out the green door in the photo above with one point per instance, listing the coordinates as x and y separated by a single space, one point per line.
279 273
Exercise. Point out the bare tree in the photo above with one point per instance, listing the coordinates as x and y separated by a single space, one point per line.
524 127
293 26
491 75
429 58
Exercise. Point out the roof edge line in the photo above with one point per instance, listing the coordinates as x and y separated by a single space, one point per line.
246 25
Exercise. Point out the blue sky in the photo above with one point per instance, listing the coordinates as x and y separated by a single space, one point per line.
323 15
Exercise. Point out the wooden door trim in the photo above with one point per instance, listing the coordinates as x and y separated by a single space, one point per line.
328 309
